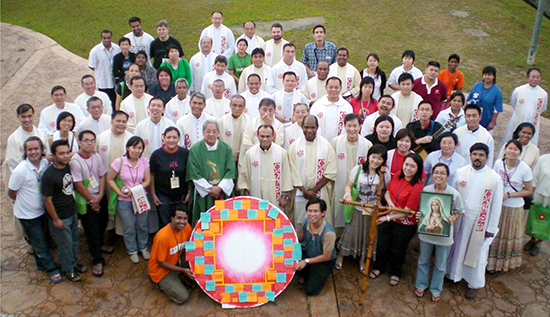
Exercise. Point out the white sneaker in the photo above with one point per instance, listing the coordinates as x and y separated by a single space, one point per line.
145 254
134 258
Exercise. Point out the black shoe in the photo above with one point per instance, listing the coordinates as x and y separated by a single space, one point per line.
529 245
535 251
471 293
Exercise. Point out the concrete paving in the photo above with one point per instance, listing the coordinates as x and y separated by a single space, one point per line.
33 63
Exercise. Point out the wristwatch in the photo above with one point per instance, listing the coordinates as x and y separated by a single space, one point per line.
307 260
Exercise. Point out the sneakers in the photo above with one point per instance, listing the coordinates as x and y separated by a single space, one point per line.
145 254
134 258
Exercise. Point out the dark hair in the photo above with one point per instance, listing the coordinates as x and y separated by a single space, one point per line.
319 201
242 40
106 31
170 129
441 164
375 149
135 140
62 116
289 73
405 76
216 12
409 53
532 69
319 26
253 23
388 96
58 143
425 102
382 119
144 53
353 116
220 59
461 95
157 98
134 19
124 39
24 107
254 75
178 207
81 134
117 112
258 50
166 70
197 94
417 177
343 49
57 87
314 117
266 126
172 47
516 143
403 133
133 79
448 134
289 44
40 143
455 56
433 63
266 102
333 78
490 70
92 99
378 71
520 127
473 106
277 25
480 147
86 76
365 81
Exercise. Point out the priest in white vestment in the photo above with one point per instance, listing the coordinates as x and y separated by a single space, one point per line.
482 191
287 64
222 36
254 95
48 116
135 105
151 129
220 65
315 160
406 100
286 98
191 124
472 133
331 110
232 125
266 172
97 121
201 64
315 87
178 106
529 102
348 74
253 40
217 105
351 149
385 106
274 48
258 67
294 131
90 90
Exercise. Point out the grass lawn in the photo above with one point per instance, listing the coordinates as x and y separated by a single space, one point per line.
386 27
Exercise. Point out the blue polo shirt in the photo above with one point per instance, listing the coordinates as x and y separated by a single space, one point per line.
489 99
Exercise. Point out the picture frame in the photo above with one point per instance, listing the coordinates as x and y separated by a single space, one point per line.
431 221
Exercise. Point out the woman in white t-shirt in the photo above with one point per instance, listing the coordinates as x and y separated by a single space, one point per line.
506 250
366 178
65 126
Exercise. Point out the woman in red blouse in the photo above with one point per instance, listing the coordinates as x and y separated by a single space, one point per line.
365 104
396 230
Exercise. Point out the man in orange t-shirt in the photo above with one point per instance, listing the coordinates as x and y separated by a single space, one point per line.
168 247
452 77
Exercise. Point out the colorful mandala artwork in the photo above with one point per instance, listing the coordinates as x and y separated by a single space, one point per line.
243 252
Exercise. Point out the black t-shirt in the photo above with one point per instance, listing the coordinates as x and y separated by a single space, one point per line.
159 50
416 128
58 183
390 145
166 95
162 164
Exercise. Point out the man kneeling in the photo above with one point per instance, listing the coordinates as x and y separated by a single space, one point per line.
166 257
317 238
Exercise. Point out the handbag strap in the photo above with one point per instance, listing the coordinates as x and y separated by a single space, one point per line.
357 175
506 173
81 169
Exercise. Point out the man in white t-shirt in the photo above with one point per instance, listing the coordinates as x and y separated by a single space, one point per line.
254 94
287 64
48 116
253 40
140 41
224 41
220 65
407 67
101 62
89 86
274 48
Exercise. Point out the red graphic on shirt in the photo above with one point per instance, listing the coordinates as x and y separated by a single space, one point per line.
348 83
297 82
21 149
187 141
300 153
292 141
255 164
341 122
313 95
341 156
521 101
320 115
320 173
277 174
542 216
228 134
209 86
104 148
175 113
223 44
197 65
537 112
226 93
361 159
279 108
268 54
131 114
483 214
52 124
146 142
280 76
463 184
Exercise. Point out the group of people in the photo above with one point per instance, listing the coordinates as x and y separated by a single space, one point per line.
154 140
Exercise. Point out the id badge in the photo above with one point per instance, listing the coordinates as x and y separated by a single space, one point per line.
93 182
174 182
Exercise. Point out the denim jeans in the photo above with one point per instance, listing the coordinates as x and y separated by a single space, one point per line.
67 242
134 226
423 272
34 230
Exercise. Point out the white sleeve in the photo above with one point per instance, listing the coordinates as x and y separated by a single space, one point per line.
15 182
226 185
514 98
43 124
393 77
271 86
92 62
230 44
202 186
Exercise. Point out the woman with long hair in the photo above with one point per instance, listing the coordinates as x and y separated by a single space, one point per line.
530 152
164 88
65 126
373 70
365 104
383 132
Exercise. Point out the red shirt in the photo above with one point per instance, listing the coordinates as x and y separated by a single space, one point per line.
403 194
372 107
437 94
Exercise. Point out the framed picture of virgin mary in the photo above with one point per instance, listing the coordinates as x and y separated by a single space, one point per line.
435 210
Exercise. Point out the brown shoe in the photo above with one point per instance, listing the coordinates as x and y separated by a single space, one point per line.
471 293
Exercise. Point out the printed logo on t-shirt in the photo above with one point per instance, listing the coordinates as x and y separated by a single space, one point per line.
68 184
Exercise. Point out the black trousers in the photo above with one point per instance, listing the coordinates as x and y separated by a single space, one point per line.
112 95
391 250
315 276
94 224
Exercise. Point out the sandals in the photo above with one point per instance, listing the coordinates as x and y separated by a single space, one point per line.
374 274
74 277
97 270
56 278
80 268
338 266
394 280
419 293
436 298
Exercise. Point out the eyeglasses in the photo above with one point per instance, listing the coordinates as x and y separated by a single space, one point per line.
88 141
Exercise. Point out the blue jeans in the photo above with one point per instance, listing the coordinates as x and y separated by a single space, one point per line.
67 242
134 226
34 230
423 272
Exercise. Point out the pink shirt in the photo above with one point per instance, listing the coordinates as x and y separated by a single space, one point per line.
92 166
131 176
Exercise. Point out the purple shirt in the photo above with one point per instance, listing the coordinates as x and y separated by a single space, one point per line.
131 176
92 166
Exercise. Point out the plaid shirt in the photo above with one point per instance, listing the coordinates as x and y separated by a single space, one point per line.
312 54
